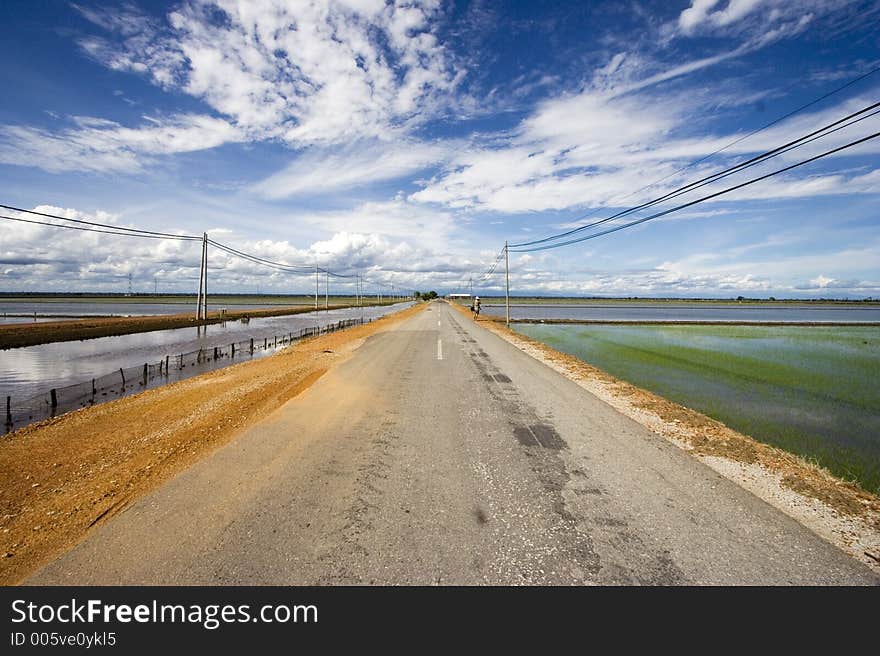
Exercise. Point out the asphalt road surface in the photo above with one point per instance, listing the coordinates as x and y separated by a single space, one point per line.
441 454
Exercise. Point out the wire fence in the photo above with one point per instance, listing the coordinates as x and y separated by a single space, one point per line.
171 368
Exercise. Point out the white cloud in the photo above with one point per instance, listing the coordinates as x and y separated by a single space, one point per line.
809 186
387 242
101 145
599 148
695 14
396 218
700 13
38 257
320 170
306 73
762 19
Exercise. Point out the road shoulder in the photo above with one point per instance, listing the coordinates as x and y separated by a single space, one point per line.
838 511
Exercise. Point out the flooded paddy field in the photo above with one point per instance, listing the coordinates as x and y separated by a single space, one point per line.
35 369
811 390
17 309
684 312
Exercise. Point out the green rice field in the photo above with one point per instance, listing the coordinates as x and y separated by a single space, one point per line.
813 391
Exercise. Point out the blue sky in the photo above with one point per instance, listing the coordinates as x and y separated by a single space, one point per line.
408 140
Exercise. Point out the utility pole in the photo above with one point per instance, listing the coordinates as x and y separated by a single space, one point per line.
507 281
205 295
202 300
316 287
327 290
201 282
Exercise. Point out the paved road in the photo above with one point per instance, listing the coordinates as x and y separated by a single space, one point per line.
440 454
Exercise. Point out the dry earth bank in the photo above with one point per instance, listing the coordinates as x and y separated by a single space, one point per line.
66 475
15 335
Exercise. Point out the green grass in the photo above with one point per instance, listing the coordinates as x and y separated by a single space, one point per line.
814 391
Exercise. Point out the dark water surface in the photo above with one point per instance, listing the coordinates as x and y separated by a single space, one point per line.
57 309
33 369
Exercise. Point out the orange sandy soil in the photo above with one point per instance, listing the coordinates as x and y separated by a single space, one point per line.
66 475
702 435
15 335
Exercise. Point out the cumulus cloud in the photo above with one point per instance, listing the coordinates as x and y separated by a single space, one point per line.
35 257
365 241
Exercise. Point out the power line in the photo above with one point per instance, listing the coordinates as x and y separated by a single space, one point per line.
138 231
294 268
303 269
712 154
824 131
84 229
105 228
486 275
699 200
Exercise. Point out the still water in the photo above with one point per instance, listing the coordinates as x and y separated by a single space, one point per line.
813 391
57 310
727 312
30 370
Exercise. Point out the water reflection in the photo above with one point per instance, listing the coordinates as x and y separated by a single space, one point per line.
794 313
30 370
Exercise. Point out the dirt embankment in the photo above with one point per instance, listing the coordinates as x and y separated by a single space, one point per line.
15 335
66 475
838 510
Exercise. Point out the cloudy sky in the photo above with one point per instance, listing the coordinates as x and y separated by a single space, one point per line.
409 139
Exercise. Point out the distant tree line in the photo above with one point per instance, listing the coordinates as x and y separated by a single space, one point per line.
425 296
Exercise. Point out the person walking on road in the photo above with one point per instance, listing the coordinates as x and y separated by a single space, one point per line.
476 307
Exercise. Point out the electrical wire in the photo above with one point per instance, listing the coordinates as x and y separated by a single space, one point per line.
138 231
698 200
839 124
486 275
255 258
82 228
